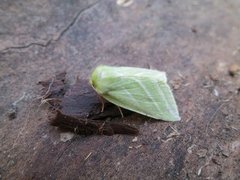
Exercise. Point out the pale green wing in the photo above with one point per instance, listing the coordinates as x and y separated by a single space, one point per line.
132 71
105 78
141 90
148 96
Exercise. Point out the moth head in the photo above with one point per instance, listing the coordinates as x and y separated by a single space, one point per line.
96 75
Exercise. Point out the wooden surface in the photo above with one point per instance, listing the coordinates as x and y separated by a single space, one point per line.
195 42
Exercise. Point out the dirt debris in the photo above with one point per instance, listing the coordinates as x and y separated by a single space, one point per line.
135 139
234 70
66 136
202 153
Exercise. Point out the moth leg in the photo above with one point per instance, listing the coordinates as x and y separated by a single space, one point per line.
120 111
102 109
102 102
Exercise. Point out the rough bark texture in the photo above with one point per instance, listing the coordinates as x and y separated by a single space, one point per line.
195 42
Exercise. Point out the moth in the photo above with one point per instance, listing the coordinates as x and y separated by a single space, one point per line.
140 90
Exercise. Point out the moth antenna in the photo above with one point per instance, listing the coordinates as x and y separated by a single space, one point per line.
120 111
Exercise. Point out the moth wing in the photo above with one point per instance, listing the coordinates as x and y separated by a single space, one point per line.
148 96
137 72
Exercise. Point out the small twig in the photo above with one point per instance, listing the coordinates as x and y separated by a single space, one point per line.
164 141
87 156
206 164
20 99
189 150
180 75
217 110
174 129
49 88
213 117
47 101
228 99
200 169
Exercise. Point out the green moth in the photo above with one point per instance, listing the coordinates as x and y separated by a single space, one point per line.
140 90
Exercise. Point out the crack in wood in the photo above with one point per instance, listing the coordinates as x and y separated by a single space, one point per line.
53 40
